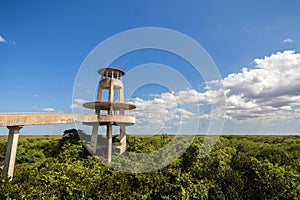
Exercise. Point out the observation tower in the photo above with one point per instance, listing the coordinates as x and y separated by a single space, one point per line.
110 111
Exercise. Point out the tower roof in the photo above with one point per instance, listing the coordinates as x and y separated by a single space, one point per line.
110 71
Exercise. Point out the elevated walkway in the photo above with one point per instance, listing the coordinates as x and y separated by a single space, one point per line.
39 119
15 121
7 119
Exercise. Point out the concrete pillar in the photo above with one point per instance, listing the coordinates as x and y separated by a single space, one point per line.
122 139
122 94
11 150
109 142
111 91
99 95
111 96
94 137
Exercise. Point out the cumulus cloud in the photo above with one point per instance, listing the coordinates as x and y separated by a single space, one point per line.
170 109
267 93
262 93
288 40
2 39
48 109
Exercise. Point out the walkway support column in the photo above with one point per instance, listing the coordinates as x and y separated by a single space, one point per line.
11 150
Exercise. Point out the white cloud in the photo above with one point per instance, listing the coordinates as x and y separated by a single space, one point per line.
191 96
158 113
170 109
267 93
2 39
74 106
78 103
36 95
288 40
48 109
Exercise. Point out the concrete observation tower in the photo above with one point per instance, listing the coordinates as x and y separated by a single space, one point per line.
111 112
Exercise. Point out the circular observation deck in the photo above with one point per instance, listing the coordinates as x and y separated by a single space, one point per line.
105 105
125 120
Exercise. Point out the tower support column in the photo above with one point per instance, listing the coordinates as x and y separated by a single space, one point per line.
94 137
109 142
99 95
111 91
11 150
122 94
122 139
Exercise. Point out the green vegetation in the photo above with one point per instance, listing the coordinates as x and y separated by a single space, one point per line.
238 167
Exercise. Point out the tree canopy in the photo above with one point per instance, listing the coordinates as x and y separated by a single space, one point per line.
238 167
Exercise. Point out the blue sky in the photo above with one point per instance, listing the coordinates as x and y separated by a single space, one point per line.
43 44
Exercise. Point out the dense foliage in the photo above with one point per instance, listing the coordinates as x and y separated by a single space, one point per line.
238 167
